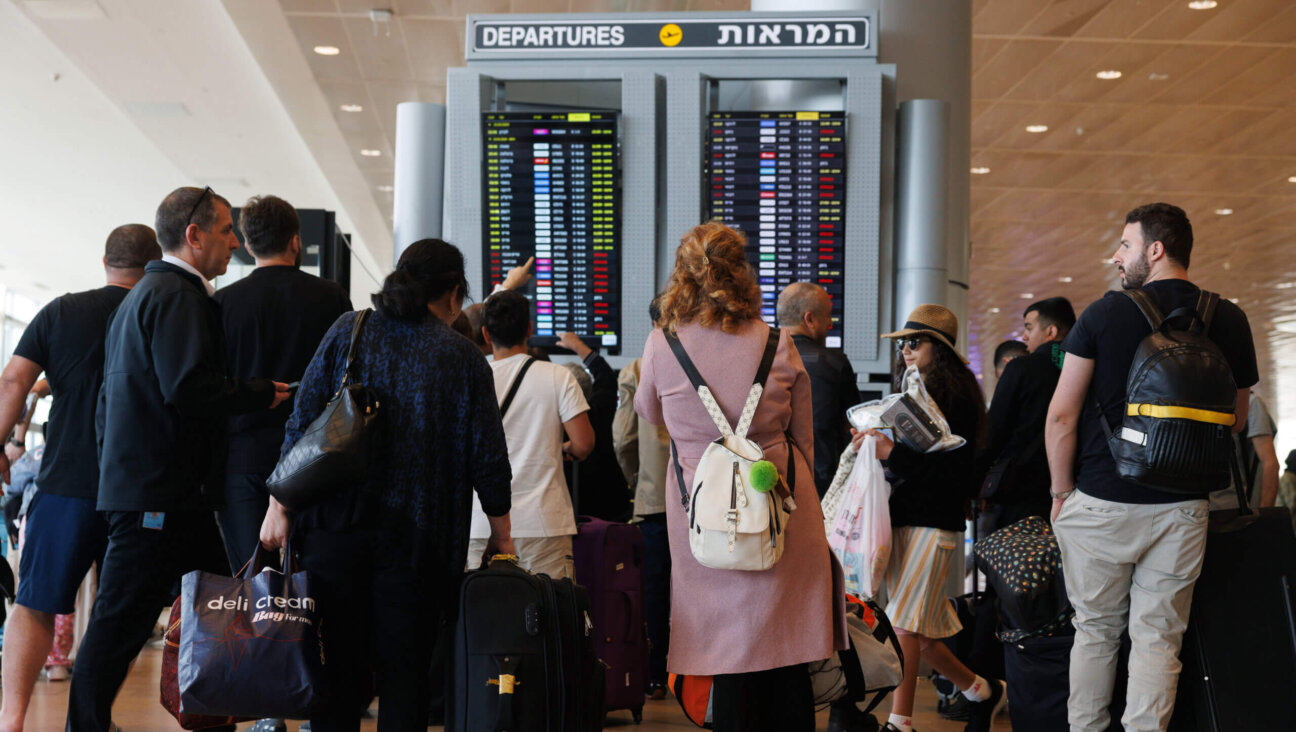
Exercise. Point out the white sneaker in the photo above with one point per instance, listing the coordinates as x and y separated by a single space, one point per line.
57 673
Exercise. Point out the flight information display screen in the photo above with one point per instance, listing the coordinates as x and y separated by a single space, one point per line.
780 178
552 192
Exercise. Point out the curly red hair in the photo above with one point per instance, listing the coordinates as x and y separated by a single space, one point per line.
712 283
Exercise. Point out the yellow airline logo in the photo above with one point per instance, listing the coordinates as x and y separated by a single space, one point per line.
670 34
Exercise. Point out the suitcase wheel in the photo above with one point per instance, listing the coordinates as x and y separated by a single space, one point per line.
638 715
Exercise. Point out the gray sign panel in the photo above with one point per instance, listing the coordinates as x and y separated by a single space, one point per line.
667 36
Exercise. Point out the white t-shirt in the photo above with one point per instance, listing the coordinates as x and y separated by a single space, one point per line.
549 396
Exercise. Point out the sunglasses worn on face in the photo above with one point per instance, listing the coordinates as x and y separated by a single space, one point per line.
912 343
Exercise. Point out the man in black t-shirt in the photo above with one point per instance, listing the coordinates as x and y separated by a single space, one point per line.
1131 554
64 535
1018 477
805 311
274 320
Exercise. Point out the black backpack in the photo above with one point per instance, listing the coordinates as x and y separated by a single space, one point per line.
1180 398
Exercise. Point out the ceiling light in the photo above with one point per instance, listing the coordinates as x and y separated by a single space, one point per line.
1027 295
980 171
386 189
1064 279
994 310
1109 74
327 50
352 108
1233 300
1224 211
1284 285
370 153
1202 4
1291 179
1037 128
1157 76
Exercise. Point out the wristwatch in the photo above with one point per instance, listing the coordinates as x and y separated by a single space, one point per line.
1061 496
16 442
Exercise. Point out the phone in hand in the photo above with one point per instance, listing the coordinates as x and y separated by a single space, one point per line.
293 386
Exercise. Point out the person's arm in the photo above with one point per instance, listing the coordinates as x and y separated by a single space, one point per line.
16 381
580 437
625 425
189 368
1061 425
647 401
1268 457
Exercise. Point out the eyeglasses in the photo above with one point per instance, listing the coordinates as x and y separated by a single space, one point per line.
912 343
194 210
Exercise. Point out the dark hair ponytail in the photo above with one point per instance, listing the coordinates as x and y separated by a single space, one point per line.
428 269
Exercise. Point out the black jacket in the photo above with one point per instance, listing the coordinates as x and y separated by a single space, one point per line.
833 390
929 489
164 405
1013 457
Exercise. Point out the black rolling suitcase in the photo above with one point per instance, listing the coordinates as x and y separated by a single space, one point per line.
1239 651
523 655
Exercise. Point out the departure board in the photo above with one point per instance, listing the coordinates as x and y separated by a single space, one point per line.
552 192
780 178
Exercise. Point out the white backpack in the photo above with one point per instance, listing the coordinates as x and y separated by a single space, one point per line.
732 525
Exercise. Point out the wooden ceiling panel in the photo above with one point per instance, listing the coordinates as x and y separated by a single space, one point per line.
1121 18
997 121
1065 19
1068 73
1269 137
1004 71
379 52
984 49
1005 17
1274 69
1279 28
1176 22
1194 86
1233 20
338 93
308 6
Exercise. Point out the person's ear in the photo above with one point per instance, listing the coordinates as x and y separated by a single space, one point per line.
295 244
1051 332
1156 250
486 336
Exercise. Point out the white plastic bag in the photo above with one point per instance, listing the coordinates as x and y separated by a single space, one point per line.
869 414
860 529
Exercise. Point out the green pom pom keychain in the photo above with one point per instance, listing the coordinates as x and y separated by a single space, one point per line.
764 476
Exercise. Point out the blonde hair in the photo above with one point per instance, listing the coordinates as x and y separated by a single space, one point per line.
712 283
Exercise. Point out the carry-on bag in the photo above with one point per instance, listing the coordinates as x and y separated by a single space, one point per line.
1023 565
1239 650
738 506
872 665
609 564
523 655
250 645
1038 679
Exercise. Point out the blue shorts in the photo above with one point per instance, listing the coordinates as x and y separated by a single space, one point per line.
64 537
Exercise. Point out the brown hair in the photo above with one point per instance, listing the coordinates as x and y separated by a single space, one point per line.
712 283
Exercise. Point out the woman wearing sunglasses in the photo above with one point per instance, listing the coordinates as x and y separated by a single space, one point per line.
927 496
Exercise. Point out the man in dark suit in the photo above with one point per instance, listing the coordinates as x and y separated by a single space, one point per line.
1017 481
274 320
805 311
162 427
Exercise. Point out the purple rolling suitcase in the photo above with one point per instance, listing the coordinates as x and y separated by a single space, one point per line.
609 563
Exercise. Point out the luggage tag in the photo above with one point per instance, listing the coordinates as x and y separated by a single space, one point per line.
153 520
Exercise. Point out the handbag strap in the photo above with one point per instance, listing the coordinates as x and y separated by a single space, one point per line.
348 373
708 399
513 388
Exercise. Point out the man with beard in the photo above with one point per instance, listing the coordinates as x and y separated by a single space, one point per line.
1130 553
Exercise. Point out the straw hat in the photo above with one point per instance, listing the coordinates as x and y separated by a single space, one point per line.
936 321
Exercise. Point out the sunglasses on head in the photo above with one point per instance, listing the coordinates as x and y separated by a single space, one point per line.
912 343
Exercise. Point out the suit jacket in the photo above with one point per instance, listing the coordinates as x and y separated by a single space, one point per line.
162 420
1014 452
832 391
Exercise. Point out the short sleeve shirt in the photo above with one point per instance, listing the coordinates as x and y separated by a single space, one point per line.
533 427
1109 332
66 338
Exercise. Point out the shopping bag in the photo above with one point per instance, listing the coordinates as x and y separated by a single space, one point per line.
171 683
860 533
873 664
918 405
250 645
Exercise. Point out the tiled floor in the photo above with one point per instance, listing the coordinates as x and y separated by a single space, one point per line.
138 709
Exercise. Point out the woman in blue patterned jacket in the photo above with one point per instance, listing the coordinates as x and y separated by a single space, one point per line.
384 554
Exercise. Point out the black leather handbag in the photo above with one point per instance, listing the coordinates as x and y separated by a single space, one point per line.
334 450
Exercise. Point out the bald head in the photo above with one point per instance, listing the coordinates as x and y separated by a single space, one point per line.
804 308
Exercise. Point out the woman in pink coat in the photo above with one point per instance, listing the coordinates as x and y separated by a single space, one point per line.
754 631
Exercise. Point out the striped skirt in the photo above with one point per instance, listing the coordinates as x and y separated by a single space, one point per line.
921 560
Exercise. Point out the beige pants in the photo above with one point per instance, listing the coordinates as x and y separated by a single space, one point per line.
1129 565
551 555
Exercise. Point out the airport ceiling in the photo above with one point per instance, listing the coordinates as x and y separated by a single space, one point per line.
1203 114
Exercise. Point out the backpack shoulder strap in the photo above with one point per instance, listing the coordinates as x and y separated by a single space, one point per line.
1207 302
513 388
758 384
1149 308
699 384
